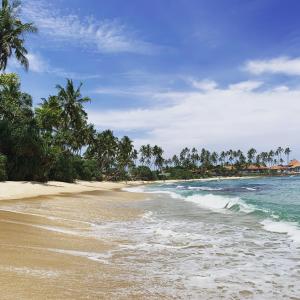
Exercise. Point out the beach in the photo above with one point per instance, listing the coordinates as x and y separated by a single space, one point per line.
204 239
49 248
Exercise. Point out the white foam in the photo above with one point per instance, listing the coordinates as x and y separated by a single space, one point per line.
141 189
204 188
218 203
99 257
134 189
250 189
289 228
172 194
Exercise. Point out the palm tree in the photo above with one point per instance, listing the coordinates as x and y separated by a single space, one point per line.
278 153
104 150
250 155
157 153
12 32
73 116
222 158
194 157
175 161
214 158
146 154
126 154
287 152
271 157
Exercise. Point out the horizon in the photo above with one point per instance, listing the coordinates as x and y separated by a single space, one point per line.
214 75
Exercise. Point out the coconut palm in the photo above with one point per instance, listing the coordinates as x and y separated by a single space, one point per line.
125 154
175 161
12 32
146 155
287 152
250 155
157 153
73 116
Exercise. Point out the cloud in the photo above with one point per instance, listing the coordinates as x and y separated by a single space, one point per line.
247 86
217 119
107 36
38 64
205 85
279 65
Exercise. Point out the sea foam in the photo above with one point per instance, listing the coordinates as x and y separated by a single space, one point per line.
218 203
289 228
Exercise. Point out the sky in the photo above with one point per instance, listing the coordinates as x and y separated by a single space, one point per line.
219 74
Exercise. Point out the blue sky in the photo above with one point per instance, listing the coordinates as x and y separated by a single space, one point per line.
216 74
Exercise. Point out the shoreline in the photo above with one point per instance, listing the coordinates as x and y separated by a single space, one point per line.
62 244
16 190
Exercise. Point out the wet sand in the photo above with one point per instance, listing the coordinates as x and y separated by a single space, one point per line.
49 247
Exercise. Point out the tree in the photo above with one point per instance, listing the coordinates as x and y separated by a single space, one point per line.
20 141
251 154
287 152
175 161
125 154
194 157
104 150
271 157
12 32
157 153
146 155
278 152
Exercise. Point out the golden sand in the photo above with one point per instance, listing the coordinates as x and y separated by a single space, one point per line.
47 248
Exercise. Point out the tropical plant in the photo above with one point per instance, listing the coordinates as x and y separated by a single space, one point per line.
12 33
287 152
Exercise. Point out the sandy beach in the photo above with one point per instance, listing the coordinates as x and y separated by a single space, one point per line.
51 244
48 248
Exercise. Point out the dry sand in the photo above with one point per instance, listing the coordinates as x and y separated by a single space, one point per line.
49 247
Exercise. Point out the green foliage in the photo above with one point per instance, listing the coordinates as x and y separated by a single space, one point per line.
63 168
20 140
12 32
181 173
87 169
143 173
3 160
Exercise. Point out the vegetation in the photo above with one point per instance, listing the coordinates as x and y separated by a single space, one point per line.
12 32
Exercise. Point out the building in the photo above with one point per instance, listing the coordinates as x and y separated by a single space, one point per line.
294 166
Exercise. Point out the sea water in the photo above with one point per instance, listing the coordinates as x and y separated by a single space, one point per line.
222 239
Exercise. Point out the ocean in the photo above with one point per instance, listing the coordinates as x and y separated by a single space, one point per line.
222 239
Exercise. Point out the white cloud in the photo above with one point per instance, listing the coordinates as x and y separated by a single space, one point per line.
247 86
105 36
205 85
217 119
279 65
38 64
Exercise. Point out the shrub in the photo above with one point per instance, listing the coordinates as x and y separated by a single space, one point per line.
143 173
87 169
3 175
63 168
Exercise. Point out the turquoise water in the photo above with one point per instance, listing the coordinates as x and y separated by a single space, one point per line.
275 201
227 239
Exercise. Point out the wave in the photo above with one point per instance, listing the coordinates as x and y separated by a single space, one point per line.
250 189
290 228
143 190
134 189
219 203
199 188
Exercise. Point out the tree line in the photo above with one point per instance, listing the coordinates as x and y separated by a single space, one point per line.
47 142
